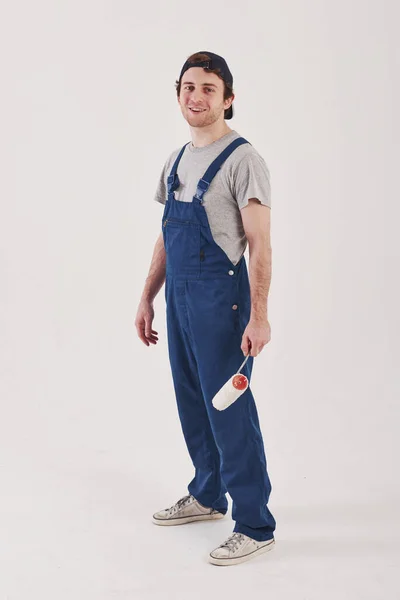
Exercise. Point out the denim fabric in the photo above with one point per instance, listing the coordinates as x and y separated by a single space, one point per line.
208 308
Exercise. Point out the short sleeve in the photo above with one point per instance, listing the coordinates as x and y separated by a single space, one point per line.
251 179
161 191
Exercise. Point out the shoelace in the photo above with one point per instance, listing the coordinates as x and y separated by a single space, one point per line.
233 541
179 504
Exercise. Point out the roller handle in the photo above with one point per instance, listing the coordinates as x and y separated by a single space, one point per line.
242 365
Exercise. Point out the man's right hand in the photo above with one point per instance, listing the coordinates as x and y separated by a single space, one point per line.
144 322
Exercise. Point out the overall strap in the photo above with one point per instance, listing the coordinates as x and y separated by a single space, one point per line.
213 169
173 179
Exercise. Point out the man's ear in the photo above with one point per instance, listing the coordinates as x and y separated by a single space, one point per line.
231 99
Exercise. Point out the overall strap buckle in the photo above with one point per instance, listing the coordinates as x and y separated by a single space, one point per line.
202 188
173 183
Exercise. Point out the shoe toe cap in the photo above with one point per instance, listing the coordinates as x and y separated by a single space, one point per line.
220 553
161 515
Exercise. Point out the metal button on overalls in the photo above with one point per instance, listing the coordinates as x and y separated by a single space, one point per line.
204 344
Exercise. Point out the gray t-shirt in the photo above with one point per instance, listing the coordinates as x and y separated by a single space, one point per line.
243 175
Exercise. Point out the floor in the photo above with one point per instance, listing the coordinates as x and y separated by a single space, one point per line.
83 532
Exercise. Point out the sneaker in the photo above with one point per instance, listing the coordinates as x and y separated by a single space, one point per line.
186 510
238 548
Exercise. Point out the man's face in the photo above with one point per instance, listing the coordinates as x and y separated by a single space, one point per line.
205 92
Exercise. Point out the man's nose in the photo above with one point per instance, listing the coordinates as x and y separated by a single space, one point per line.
197 96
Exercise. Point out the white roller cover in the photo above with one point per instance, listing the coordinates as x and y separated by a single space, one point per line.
228 394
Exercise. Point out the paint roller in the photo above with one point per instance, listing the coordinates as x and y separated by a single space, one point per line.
232 389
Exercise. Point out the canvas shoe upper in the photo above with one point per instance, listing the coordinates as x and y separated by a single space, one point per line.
186 510
238 548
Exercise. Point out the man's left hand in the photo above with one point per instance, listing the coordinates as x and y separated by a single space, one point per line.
256 335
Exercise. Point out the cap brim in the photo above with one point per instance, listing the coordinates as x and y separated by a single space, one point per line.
229 113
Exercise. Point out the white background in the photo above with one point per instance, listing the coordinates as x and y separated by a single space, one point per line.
90 441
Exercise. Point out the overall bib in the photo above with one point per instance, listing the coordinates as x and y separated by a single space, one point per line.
208 307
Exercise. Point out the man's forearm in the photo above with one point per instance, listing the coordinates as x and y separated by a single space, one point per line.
156 276
260 258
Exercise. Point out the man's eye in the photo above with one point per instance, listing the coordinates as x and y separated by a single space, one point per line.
187 87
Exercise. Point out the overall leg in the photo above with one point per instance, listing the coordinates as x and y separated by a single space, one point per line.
207 486
237 433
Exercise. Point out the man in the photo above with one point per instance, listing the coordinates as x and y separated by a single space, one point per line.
217 199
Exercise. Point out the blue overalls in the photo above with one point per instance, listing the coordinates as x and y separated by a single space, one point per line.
208 307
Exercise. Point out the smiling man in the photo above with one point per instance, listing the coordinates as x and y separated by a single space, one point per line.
216 196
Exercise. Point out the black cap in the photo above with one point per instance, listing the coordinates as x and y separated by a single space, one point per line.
215 62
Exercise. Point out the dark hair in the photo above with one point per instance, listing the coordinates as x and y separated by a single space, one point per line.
198 57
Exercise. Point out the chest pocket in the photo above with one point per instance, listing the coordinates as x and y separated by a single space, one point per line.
182 246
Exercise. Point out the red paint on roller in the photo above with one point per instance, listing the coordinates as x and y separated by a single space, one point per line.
239 382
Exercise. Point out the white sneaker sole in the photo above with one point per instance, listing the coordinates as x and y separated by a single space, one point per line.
224 562
191 519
